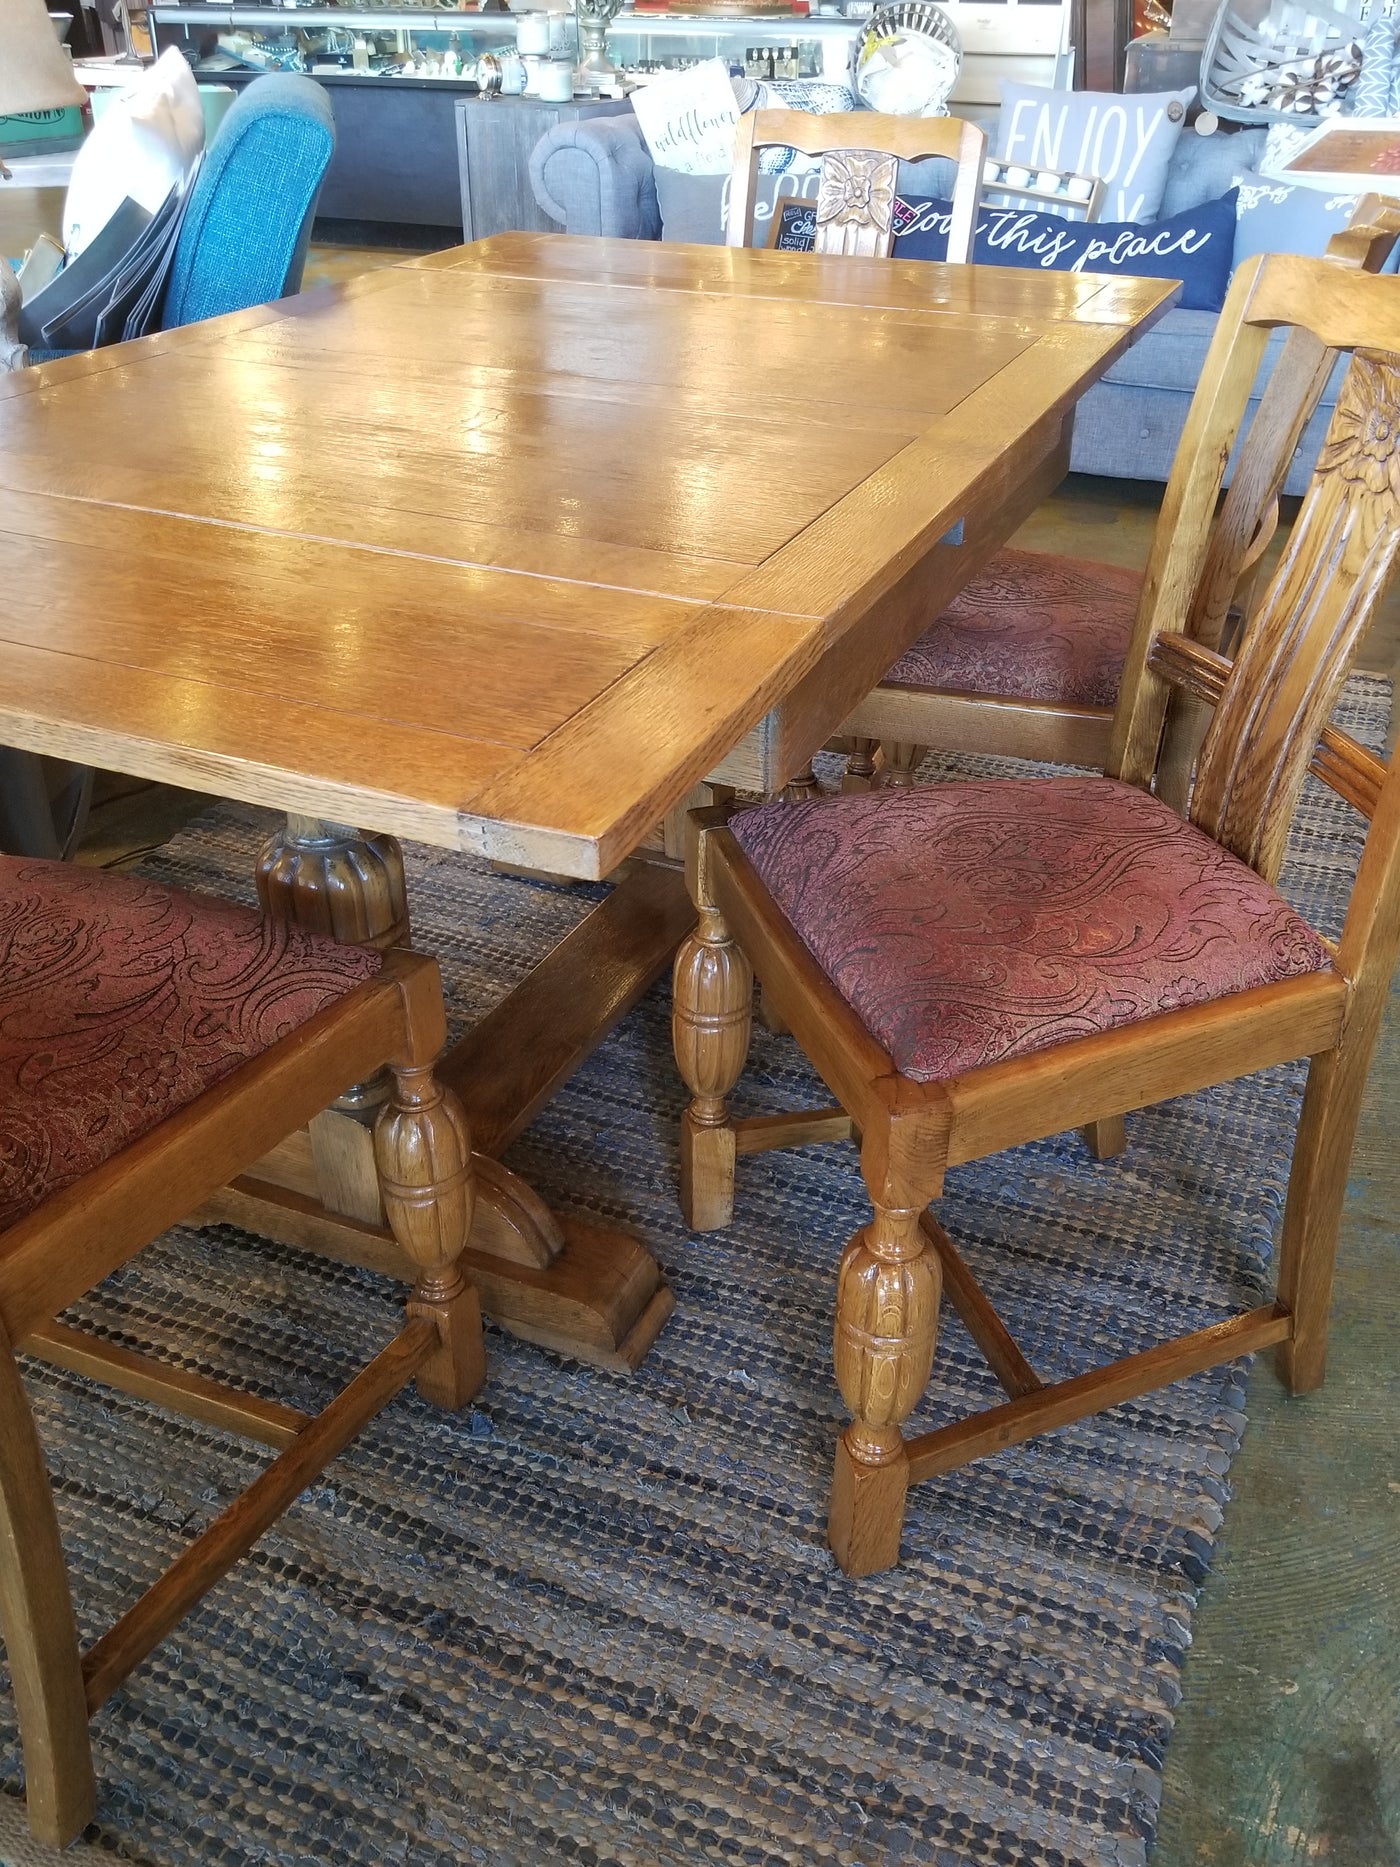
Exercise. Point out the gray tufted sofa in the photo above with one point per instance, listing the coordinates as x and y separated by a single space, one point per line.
595 177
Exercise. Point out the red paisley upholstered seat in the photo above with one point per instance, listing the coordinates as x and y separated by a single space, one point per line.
155 1046
121 1001
1031 626
965 923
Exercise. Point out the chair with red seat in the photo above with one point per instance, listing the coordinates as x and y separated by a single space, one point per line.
153 1045
971 966
1027 661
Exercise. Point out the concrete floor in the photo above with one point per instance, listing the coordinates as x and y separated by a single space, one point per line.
1287 1743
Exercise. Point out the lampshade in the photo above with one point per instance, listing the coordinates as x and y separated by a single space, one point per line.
35 71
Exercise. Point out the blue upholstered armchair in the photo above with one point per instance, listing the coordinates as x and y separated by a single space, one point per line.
243 242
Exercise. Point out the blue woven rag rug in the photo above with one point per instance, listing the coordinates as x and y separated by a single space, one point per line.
594 1619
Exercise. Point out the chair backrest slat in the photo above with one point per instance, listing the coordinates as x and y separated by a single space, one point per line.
1270 723
1300 642
1353 771
860 152
1294 389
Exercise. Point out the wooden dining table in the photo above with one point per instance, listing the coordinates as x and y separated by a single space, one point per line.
513 550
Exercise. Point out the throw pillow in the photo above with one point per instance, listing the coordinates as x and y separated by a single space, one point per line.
1195 247
812 95
1203 167
693 207
1126 141
687 118
146 143
1372 96
1274 218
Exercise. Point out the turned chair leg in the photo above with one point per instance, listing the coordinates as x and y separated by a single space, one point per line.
41 1635
711 1023
423 1150
900 763
1106 1137
801 786
861 765
1313 1215
887 1297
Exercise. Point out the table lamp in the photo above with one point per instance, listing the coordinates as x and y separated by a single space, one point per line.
35 74
35 71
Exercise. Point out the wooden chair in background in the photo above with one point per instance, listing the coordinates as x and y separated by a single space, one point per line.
861 152
152 1046
901 945
1027 662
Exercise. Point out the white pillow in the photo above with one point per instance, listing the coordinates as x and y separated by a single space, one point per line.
143 144
688 119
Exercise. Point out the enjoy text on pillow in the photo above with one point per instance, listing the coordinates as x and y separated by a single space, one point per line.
1112 140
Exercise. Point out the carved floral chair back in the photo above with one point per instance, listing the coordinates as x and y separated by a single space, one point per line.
861 152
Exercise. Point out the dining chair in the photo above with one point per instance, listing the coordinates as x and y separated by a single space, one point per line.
861 152
153 1045
1026 662
974 965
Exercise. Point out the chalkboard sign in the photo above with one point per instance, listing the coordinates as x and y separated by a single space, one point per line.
794 227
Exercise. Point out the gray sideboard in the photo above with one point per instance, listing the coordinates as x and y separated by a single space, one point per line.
494 139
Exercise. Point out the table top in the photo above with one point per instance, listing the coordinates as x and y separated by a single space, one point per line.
505 547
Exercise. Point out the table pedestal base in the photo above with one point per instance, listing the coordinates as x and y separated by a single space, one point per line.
601 1300
580 1289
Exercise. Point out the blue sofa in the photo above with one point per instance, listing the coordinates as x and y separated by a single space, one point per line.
595 177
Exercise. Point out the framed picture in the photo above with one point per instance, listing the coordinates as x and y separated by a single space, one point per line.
1360 155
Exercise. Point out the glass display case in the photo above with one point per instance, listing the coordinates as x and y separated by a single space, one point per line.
434 45
360 44
395 72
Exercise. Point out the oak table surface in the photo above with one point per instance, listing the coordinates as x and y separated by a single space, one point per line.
506 549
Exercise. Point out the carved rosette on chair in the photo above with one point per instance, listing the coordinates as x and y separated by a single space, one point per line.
855 198
860 154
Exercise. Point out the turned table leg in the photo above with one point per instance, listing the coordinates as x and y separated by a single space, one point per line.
586 1290
802 786
862 766
335 881
901 761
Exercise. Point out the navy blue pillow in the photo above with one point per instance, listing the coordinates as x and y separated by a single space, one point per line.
1196 247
